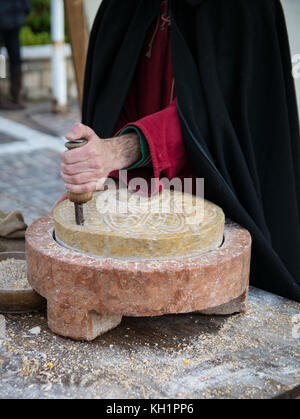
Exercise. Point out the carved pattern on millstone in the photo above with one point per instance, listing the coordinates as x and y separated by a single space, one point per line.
126 225
168 212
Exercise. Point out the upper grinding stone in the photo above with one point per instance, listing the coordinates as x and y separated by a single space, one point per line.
124 225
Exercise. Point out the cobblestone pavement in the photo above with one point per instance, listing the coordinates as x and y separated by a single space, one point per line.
39 116
33 177
30 167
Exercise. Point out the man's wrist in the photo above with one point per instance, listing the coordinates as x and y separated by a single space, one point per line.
125 149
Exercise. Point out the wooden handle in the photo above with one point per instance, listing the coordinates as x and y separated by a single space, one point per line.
80 198
70 145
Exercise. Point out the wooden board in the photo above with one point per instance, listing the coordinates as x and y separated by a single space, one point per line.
79 36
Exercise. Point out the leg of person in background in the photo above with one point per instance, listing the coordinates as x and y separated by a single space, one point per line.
11 39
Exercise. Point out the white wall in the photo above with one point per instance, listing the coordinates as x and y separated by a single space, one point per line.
91 8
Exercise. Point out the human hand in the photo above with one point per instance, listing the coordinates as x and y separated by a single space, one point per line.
86 169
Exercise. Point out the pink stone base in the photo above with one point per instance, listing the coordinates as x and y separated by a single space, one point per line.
88 296
238 305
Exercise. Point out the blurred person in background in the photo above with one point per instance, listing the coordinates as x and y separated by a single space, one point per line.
12 17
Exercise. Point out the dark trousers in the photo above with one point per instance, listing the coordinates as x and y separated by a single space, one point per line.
10 39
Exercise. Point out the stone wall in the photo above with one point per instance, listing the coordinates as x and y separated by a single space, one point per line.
37 73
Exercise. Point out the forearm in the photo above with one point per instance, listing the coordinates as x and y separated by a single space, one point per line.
86 169
162 132
125 149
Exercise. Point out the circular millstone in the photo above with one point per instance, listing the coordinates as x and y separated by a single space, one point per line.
125 225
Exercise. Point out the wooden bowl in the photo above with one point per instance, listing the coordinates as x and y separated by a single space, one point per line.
19 301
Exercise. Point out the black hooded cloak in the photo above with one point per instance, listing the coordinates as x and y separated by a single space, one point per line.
237 105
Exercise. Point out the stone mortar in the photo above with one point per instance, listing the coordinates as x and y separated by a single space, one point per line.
87 296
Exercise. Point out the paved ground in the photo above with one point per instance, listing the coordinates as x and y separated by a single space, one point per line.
30 155
39 116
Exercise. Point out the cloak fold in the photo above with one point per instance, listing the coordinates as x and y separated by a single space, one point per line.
237 107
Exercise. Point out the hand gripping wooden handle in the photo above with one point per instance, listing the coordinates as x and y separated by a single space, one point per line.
80 198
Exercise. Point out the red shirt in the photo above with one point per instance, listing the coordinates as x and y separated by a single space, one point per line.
151 104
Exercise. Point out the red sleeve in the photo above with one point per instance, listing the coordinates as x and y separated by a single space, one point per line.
163 133
169 158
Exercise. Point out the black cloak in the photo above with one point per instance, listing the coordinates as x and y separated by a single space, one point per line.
237 106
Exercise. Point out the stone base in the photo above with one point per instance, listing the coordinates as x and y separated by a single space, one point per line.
88 296
78 324
238 305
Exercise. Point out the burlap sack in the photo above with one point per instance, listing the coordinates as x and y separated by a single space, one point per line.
12 231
